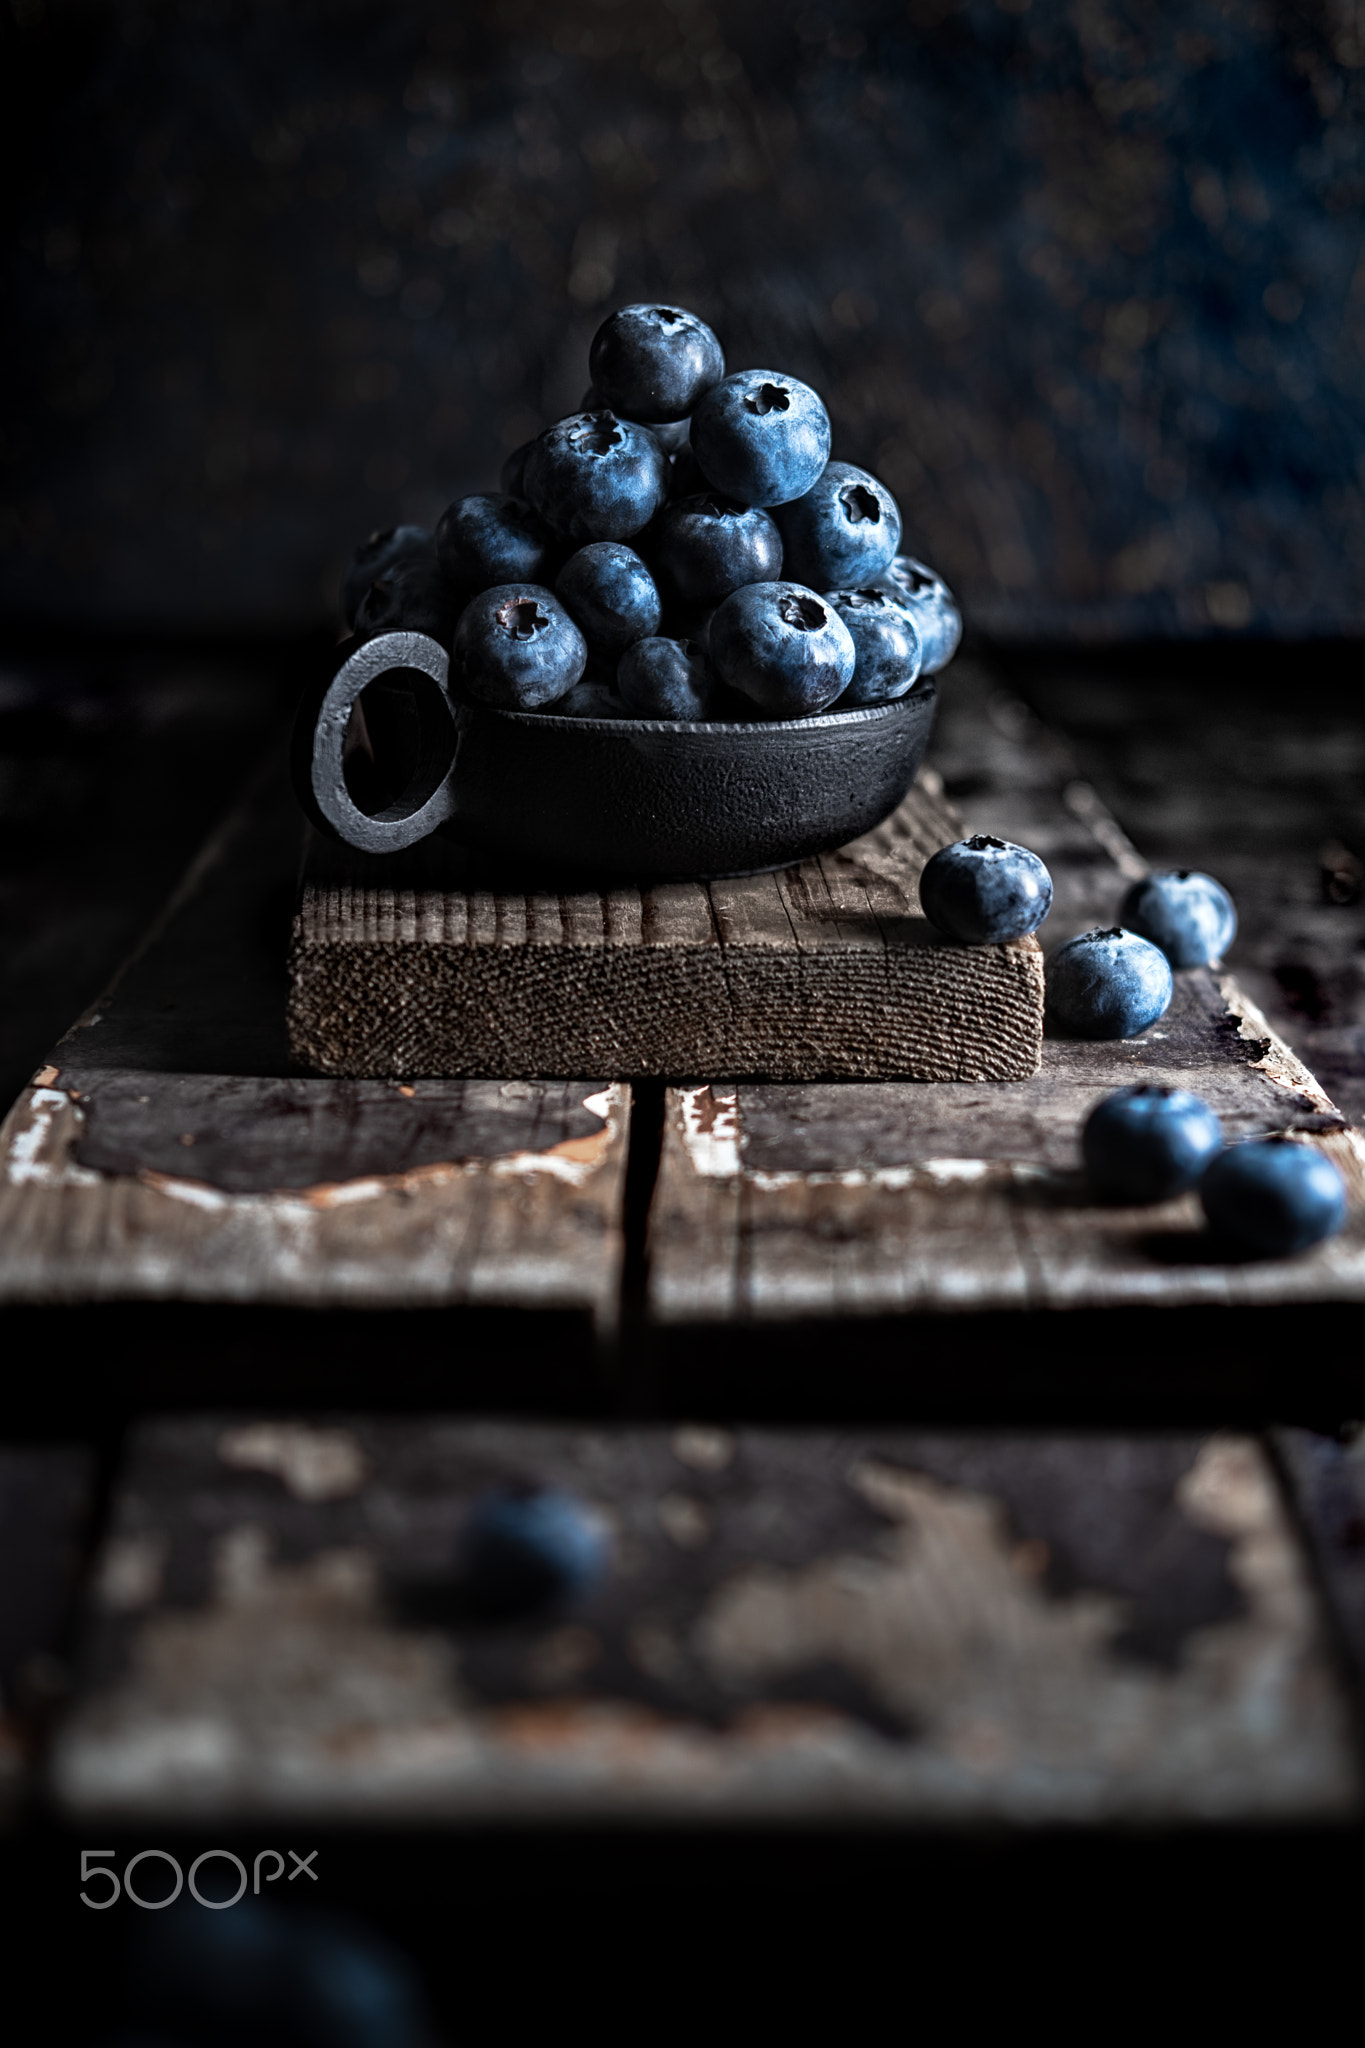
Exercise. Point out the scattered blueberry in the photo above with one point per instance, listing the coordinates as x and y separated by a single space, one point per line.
783 647
706 546
608 590
377 556
670 679
1107 984
517 647
654 362
885 641
984 891
1190 916
528 1546
761 437
845 529
410 597
596 477
931 605
1149 1142
486 538
1275 1197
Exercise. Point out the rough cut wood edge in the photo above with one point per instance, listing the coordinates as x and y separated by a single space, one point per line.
538 1230
958 1233
826 971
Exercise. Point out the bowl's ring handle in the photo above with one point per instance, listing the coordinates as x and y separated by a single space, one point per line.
318 754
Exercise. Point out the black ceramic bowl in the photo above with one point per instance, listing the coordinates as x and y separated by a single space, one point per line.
629 797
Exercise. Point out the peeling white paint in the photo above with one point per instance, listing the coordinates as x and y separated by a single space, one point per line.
25 1165
711 1132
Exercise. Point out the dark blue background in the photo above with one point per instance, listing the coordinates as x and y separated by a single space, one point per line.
1083 282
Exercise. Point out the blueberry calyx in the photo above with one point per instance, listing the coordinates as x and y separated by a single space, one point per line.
980 841
860 504
522 618
806 613
768 398
862 600
669 315
597 432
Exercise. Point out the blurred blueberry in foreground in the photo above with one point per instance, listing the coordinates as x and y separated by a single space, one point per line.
845 529
1149 1142
1275 1197
376 556
528 1546
984 891
1107 984
671 679
886 646
272 1975
760 437
783 647
517 647
1190 916
931 605
654 362
588 699
610 595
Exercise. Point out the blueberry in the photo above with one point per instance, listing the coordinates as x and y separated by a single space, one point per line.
589 699
886 642
608 590
411 597
517 647
654 362
377 556
761 437
783 647
1190 916
1149 1142
844 530
931 605
706 546
1107 984
528 1546
984 891
596 477
1274 1197
487 538
671 435
666 679
512 476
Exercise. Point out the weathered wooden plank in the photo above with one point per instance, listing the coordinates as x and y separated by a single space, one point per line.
825 969
868 1625
165 1154
1325 1472
887 1200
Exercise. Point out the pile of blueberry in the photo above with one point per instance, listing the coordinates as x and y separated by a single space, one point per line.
681 549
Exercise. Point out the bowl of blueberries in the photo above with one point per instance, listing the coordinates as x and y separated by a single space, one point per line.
678 642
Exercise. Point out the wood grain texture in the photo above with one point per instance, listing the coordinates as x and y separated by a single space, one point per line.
164 1154
436 965
865 1625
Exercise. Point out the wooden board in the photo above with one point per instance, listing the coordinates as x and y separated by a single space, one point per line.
872 1626
164 1153
437 963
783 1208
